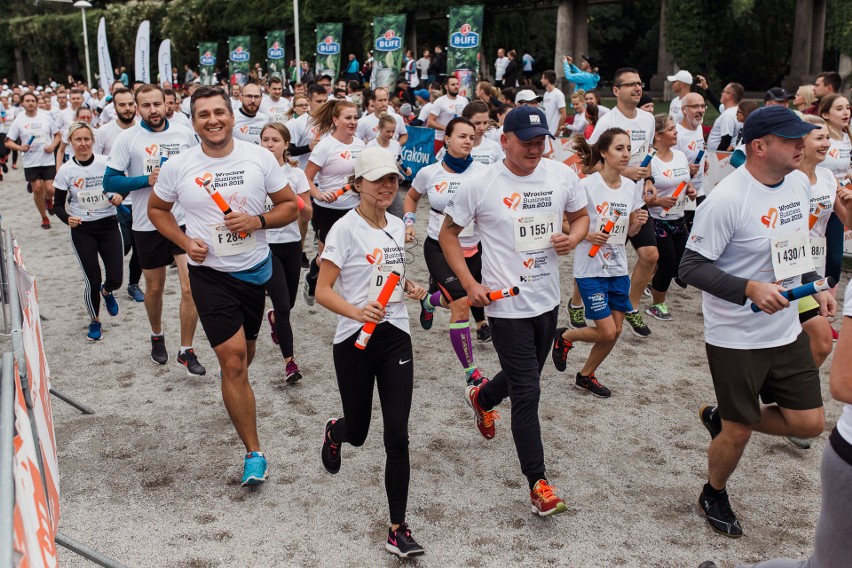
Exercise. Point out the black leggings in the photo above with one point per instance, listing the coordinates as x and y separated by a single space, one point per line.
125 219
671 242
834 247
387 362
282 288
90 240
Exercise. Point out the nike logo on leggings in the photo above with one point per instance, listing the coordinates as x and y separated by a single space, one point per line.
401 362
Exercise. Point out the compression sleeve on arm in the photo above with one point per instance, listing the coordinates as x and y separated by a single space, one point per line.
699 271
116 182
300 150
60 196
724 143
714 100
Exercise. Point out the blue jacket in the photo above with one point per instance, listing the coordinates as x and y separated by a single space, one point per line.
582 79
353 68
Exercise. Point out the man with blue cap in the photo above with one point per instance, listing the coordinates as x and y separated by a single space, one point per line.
519 208
749 242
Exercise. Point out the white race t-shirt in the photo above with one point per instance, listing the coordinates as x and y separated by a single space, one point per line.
725 125
675 109
640 128
137 152
41 129
393 147
423 115
248 127
823 194
243 178
667 176
601 202
180 119
337 164
444 109
108 114
85 187
106 136
276 111
302 132
516 216
365 257
552 102
740 226
691 142
368 126
299 184
442 186
64 118
837 159
844 424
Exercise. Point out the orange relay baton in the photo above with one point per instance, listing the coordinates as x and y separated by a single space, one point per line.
220 201
384 295
495 295
606 230
676 194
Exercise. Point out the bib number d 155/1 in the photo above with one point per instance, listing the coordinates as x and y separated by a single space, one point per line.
791 255
533 232
227 243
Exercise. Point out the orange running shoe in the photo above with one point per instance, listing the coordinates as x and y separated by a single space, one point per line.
484 418
543 500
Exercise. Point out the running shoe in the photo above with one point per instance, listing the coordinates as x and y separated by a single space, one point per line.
427 314
680 283
484 418
189 360
476 379
801 443
647 292
4 166
94 331
15 167
309 290
255 469
559 353
294 375
660 311
270 317
543 500
637 324
576 317
834 335
719 514
330 451
48 204
159 354
135 292
402 543
305 262
483 334
709 416
45 223
110 302
592 385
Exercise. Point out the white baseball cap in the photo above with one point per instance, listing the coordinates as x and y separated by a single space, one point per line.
526 96
375 163
683 76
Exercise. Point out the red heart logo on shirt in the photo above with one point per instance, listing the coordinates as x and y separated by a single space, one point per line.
206 177
375 257
529 263
152 149
602 208
346 155
512 201
770 218
441 187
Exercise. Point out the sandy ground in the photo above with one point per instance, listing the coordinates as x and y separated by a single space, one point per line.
152 478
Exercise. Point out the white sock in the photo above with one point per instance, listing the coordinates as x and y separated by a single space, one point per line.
183 348
156 334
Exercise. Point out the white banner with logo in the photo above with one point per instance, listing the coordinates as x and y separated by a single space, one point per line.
143 52
104 63
164 61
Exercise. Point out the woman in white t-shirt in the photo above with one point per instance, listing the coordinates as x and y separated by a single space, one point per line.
286 246
384 139
669 168
362 250
82 204
442 182
329 168
835 110
602 278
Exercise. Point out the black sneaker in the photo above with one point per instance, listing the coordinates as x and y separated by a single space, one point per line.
305 262
592 385
190 361
426 315
483 334
560 350
709 415
637 324
310 289
158 350
330 451
719 514
576 317
402 543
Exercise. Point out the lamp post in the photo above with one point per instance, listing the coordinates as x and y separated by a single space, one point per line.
82 4
298 50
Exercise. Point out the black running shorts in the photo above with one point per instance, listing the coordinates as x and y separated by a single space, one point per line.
443 275
225 304
324 218
645 237
155 250
46 173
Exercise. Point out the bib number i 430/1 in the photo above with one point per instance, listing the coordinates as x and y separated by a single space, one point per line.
791 255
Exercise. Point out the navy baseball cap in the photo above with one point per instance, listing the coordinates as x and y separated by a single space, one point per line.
526 122
777 120
778 94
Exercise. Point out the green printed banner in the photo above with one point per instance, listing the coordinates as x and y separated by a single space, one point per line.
275 64
388 39
239 56
207 62
329 37
464 45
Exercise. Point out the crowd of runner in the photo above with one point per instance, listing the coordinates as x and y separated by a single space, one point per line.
226 184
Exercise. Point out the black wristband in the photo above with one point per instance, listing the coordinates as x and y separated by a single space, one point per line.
650 178
262 221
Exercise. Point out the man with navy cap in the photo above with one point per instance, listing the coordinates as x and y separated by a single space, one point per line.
528 212
777 96
749 242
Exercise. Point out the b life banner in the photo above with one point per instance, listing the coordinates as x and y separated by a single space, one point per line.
275 64
463 46
207 62
104 61
388 34
329 37
143 52
419 149
164 61
239 56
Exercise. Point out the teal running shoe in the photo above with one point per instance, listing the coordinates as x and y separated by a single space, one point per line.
255 469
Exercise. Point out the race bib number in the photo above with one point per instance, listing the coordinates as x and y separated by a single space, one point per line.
150 164
379 277
93 200
818 254
791 255
678 208
618 234
38 134
533 232
227 243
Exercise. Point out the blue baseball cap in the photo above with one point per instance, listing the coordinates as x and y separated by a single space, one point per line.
526 122
422 93
777 120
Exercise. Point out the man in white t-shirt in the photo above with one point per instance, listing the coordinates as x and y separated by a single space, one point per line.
229 258
303 132
627 87
520 208
275 105
744 249
67 116
368 125
500 65
444 109
681 85
726 127
690 138
248 120
553 102
173 113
